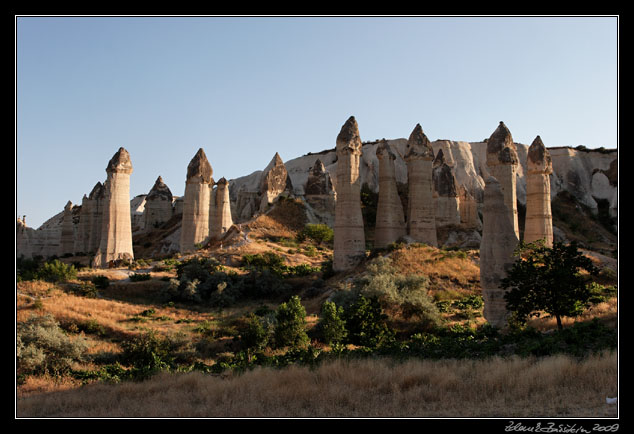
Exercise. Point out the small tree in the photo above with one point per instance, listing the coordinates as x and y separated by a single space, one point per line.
291 324
255 335
548 279
331 324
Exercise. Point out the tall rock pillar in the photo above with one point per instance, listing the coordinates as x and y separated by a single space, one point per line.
349 238
539 218
158 204
445 193
496 252
195 227
222 219
116 226
67 237
390 222
502 162
421 222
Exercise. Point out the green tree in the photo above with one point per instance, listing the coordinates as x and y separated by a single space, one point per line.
290 329
331 324
320 233
255 335
548 279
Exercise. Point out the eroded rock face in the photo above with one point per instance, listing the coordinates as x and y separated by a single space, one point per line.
67 239
496 252
503 162
539 219
274 182
446 198
158 204
390 222
421 220
349 237
221 220
116 228
320 194
195 223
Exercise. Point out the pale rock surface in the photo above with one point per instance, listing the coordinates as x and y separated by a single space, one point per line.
67 238
446 200
349 237
116 228
195 223
222 220
539 218
496 252
390 221
421 221
503 161
158 205
274 182
320 195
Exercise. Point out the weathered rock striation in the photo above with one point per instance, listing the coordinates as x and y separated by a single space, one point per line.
496 252
446 201
349 237
195 223
274 182
503 162
221 219
539 218
158 205
421 222
67 239
116 228
390 221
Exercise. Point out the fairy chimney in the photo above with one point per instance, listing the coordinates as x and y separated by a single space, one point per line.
349 238
158 204
539 219
116 226
275 181
93 210
221 219
502 162
421 222
499 240
195 223
67 238
447 203
390 221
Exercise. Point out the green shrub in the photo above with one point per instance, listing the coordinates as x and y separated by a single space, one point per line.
147 353
57 272
139 277
331 324
43 347
320 233
101 282
290 329
366 323
256 333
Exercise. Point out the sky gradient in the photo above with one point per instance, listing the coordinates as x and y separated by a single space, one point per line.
243 88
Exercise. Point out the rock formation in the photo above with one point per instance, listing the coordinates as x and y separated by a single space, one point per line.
349 237
539 219
67 239
116 228
468 209
221 220
94 215
503 161
496 252
421 223
195 223
446 199
274 182
390 222
158 205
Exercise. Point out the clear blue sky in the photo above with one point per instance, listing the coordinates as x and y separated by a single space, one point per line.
245 88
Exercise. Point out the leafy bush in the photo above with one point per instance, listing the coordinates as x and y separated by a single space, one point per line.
407 293
140 277
101 282
148 354
43 347
28 268
290 329
57 272
257 332
331 325
320 233
366 323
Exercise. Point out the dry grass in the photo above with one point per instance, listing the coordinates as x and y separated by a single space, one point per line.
556 386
